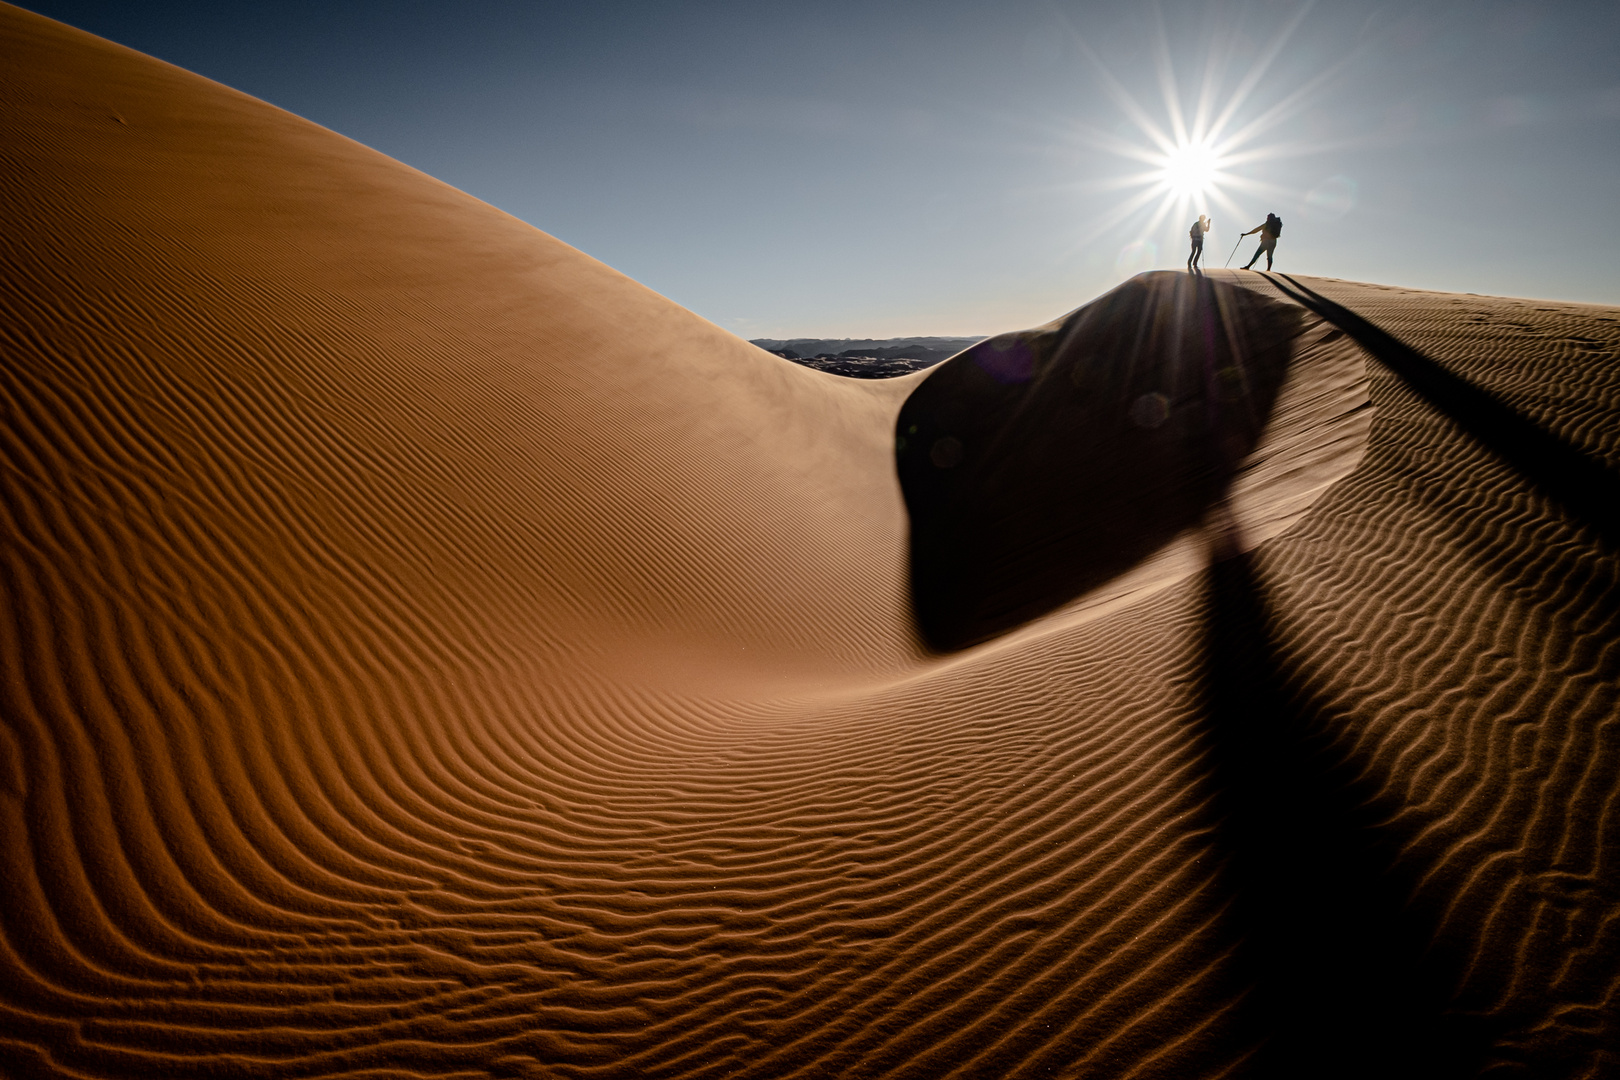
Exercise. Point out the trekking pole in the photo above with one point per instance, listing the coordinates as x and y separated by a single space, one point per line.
1234 252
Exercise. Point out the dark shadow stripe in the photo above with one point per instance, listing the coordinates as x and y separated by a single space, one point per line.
1587 490
1349 976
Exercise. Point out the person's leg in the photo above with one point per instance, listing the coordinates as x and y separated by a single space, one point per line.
1254 260
1269 249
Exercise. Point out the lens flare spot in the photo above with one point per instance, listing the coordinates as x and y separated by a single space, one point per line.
1135 257
1150 410
1331 199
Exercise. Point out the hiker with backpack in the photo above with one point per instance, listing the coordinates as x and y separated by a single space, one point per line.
1269 230
1199 228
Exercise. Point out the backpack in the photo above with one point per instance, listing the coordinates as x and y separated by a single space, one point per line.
1276 225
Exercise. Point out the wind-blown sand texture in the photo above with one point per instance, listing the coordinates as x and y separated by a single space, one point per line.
427 652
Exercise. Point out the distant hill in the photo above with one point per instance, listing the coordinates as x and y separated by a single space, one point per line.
867 358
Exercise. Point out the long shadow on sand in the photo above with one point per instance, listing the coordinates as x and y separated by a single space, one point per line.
1040 464
1347 975
1587 490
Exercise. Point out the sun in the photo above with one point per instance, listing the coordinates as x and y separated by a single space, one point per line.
1191 161
1190 170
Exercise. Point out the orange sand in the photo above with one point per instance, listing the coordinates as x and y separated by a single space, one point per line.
428 652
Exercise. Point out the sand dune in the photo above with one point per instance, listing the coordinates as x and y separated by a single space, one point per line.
428 652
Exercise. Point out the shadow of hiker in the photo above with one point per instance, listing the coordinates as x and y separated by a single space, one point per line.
1587 489
1040 464
1348 977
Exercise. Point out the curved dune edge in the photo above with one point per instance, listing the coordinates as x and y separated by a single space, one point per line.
1315 437
429 652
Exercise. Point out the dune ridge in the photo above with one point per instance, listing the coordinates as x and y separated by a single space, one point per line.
429 652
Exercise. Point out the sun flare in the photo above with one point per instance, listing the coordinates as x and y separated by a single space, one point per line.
1197 154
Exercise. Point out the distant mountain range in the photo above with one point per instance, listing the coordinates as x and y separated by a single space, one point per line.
867 358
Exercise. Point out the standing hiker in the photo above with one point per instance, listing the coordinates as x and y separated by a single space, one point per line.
1200 227
1269 231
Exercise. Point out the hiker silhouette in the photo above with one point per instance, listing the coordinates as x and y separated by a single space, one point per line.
1269 230
1199 228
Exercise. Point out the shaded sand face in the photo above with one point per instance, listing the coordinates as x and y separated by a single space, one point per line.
1059 463
427 652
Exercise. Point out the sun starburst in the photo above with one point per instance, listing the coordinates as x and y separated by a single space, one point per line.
1191 161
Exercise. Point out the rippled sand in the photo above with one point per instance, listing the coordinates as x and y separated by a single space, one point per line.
428 652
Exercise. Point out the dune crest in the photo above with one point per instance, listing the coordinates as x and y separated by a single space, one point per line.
429 652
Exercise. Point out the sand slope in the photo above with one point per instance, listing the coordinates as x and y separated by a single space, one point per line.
427 652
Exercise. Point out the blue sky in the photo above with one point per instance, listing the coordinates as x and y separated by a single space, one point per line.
877 169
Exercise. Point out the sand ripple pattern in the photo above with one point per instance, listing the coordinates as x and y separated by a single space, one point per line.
425 652
1458 630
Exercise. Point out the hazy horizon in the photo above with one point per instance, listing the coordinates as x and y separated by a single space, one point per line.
943 170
